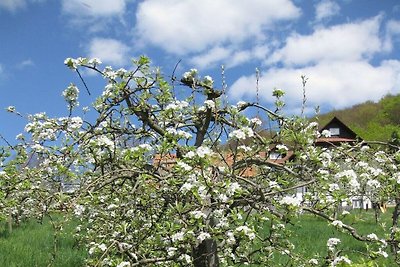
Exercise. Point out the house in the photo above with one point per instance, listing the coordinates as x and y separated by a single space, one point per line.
333 134
337 134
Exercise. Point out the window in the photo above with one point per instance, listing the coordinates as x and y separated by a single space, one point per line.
356 203
275 155
334 131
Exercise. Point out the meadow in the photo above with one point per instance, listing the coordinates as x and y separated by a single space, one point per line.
32 243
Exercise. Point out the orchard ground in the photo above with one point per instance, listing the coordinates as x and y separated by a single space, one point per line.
32 243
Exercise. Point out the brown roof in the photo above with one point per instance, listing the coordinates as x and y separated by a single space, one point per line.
334 140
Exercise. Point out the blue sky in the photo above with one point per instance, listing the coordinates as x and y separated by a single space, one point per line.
348 49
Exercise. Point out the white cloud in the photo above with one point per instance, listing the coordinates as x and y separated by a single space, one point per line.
392 34
331 84
229 56
182 27
12 5
25 63
326 9
239 57
351 41
94 8
109 50
214 55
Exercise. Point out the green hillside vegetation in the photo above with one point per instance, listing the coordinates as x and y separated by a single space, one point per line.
371 121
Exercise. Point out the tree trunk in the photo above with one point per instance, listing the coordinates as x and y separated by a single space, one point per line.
395 218
205 254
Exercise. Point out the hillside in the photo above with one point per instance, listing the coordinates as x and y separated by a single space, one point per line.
370 120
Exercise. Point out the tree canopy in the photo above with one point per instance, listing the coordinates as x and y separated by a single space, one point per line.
146 175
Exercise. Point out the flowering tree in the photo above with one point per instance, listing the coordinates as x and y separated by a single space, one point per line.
157 179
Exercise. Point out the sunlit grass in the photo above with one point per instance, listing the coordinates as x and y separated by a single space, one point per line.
32 244
311 233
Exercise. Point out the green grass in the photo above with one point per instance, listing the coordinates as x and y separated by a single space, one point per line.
311 234
32 244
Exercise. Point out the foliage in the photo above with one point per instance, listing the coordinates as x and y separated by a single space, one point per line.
371 121
150 184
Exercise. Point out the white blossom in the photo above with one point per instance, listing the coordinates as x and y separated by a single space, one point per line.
186 257
203 151
190 155
184 134
332 243
273 184
241 133
78 210
233 188
333 187
281 147
373 236
94 61
203 236
171 251
184 166
230 238
382 253
198 214
240 104
10 109
210 104
102 247
178 236
326 133
124 264
256 121
374 184
345 212
339 260
247 231
288 200
337 223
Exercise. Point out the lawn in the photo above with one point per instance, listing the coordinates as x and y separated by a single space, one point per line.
311 234
31 243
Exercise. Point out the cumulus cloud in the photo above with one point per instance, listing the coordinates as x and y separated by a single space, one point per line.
229 56
392 34
326 9
351 41
94 8
189 26
331 84
109 50
337 61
